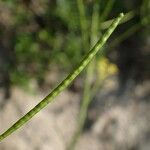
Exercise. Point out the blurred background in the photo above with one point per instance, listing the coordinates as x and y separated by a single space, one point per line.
107 107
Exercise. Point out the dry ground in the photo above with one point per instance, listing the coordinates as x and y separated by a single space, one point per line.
120 122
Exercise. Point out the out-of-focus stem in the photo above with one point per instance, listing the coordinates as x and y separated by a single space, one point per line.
83 24
128 16
107 10
125 35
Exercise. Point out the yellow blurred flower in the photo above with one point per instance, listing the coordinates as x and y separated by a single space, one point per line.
106 68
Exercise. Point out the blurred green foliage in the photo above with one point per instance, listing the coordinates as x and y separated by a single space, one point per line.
47 33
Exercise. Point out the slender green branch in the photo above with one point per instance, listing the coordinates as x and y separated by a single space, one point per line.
107 10
85 103
125 35
83 23
133 29
144 11
95 24
86 99
128 16
65 83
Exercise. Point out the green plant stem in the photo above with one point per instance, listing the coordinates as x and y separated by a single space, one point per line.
128 16
133 29
125 35
107 10
144 12
87 83
65 83
103 17
83 23
83 109
95 24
